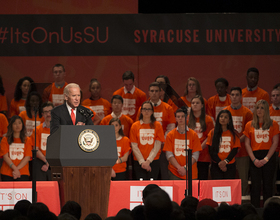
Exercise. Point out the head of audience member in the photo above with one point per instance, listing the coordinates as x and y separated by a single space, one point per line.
95 89
148 190
271 199
158 206
261 115
206 212
235 96
16 125
252 217
72 95
189 206
252 77
138 213
128 80
180 116
9 214
163 80
93 216
66 216
154 92
271 211
124 214
22 206
72 208
247 209
221 85
117 104
59 74
226 211
147 113
33 102
23 87
193 87
275 97
47 107
207 202
37 211
177 212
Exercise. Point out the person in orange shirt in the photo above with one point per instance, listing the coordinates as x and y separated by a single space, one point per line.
223 142
262 136
192 89
146 136
218 102
43 173
240 116
99 105
132 96
23 87
175 146
202 124
54 92
252 93
163 80
33 101
16 151
117 106
123 148
274 111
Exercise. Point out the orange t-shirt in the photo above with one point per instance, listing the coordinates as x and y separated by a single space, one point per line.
123 146
3 124
250 98
175 143
226 145
275 115
3 103
17 107
101 106
240 118
261 139
16 152
54 95
172 104
204 154
131 101
214 105
42 134
145 137
164 114
30 122
125 120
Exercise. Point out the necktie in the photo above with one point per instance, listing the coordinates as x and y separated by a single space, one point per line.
73 117
155 105
276 108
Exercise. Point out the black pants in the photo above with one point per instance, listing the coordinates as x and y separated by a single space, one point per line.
218 174
120 176
9 178
203 170
261 175
141 173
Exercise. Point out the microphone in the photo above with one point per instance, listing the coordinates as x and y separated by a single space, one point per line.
86 113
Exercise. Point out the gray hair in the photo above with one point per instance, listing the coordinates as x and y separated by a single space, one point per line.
69 86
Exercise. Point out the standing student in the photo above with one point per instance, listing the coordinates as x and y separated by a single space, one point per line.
223 142
146 136
202 124
16 152
262 136
123 148
101 106
175 146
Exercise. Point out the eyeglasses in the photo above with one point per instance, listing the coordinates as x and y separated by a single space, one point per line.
147 109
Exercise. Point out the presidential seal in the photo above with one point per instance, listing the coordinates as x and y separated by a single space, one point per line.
88 140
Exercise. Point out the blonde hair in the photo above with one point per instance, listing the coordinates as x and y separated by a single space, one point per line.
267 121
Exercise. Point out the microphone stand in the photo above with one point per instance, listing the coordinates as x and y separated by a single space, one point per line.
34 152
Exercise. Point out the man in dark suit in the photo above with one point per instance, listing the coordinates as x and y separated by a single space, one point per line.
71 112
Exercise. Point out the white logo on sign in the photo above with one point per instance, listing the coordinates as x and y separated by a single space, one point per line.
30 125
58 99
158 116
261 135
225 145
147 136
16 151
198 129
180 147
129 106
44 138
99 110
249 102
237 123
221 194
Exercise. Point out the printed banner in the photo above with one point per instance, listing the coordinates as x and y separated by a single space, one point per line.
140 34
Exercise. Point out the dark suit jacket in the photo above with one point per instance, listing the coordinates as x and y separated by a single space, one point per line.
61 116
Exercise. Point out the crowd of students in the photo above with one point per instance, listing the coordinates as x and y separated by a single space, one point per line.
228 132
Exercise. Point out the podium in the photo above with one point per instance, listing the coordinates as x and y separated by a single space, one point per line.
83 175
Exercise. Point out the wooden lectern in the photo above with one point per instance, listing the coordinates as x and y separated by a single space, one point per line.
83 176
